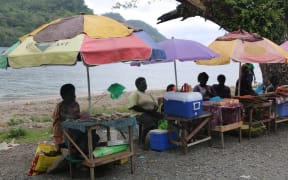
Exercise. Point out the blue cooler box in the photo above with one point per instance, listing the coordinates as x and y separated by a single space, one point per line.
282 109
183 104
159 140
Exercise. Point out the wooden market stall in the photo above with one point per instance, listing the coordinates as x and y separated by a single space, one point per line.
279 106
189 128
226 116
88 126
257 111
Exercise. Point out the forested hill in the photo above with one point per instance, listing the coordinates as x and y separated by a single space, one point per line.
153 32
19 17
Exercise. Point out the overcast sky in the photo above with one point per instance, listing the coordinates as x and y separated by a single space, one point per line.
195 28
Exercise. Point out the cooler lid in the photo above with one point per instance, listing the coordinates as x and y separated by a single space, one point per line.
183 96
158 131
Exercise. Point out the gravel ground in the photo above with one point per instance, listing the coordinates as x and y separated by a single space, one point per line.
261 158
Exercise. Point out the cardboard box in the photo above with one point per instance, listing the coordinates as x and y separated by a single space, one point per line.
183 104
159 140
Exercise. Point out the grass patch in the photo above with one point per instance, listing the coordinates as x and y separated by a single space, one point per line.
25 135
15 121
110 111
41 119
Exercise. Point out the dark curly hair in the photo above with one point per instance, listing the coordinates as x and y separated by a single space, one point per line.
203 76
67 93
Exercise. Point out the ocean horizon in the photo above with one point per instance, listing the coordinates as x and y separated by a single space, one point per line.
43 82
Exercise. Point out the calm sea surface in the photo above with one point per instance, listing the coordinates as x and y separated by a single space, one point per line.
41 82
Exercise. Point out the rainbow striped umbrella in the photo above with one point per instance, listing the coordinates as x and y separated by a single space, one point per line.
93 39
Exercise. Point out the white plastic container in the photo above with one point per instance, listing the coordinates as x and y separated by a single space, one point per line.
103 135
183 104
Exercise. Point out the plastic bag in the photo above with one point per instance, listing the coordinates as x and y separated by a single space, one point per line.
163 124
44 157
107 150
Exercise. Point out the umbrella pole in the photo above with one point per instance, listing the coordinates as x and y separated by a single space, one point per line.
89 91
239 79
175 71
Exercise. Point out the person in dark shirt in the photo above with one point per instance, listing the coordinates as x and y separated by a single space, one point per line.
246 82
206 90
274 83
220 89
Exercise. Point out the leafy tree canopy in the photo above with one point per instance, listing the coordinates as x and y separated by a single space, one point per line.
265 17
22 16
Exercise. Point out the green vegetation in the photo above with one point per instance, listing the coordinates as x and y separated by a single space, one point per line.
41 119
34 135
25 135
110 111
20 17
15 121
153 32
15 133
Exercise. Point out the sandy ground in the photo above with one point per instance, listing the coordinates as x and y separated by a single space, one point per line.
26 109
261 158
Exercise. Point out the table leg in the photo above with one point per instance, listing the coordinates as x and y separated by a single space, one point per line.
92 175
250 123
209 130
184 142
90 149
132 164
240 134
222 139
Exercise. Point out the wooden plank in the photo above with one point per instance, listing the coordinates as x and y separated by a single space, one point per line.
279 120
197 129
108 158
228 127
199 141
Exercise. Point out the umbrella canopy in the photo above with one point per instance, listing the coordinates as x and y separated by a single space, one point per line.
284 45
98 39
245 47
93 39
182 50
186 50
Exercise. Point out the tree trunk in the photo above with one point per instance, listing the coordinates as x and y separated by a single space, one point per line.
278 70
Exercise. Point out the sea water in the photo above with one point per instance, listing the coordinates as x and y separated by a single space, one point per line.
41 82
45 81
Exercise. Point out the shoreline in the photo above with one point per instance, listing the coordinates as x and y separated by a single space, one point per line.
44 107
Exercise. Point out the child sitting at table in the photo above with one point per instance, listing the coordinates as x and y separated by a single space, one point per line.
206 90
68 108
221 89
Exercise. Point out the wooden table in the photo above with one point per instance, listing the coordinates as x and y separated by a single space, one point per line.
189 127
225 118
276 100
88 126
251 111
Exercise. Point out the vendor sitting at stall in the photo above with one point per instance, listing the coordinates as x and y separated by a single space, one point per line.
146 106
274 83
246 80
221 89
69 109
206 90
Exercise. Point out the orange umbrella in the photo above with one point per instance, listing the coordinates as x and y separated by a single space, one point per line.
245 47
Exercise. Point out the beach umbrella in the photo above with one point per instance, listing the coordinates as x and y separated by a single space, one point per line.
284 45
93 39
182 50
245 47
